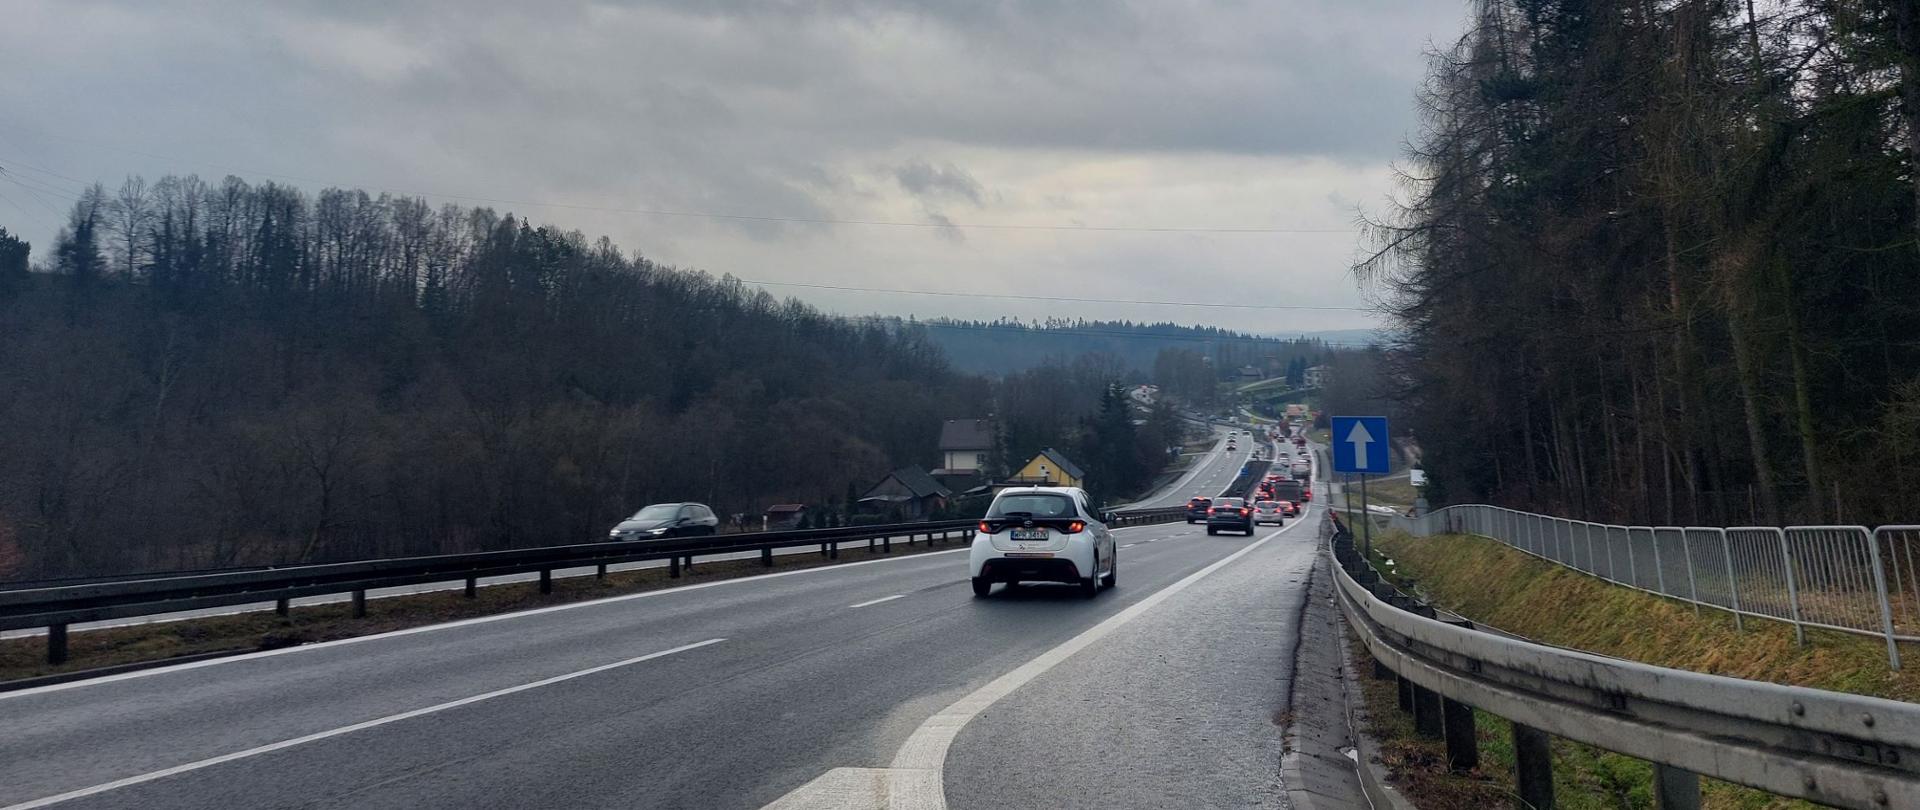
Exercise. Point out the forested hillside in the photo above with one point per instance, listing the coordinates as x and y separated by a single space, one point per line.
220 374
1005 346
1660 261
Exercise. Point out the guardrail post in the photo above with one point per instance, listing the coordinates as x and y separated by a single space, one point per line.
473 588
1463 749
886 544
282 606
56 643
360 604
601 572
1406 693
833 551
1675 789
1532 768
689 565
546 580
1380 671
1427 720
766 557
673 567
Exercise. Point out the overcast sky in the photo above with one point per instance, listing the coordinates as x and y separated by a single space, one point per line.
1275 114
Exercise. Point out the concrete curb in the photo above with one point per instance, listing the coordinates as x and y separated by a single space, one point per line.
1317 769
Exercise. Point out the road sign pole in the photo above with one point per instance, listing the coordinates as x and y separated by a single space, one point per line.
1366 518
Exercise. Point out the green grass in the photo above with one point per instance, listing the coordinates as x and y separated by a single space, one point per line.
1488 582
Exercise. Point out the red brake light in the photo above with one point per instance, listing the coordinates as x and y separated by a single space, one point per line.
1076 526
985 528
1244 511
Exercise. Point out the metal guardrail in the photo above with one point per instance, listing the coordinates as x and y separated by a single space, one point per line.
57 607
1847 578
1828 747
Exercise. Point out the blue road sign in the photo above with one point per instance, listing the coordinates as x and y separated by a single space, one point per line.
1360 445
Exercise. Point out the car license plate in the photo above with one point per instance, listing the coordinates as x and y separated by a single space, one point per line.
1029 534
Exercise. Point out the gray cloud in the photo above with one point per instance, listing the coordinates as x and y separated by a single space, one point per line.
923 179
1060 111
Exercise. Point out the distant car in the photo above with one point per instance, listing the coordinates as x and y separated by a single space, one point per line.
1043 534
1289 508
1306 495
662 520
1269 512
1197 509
1230 513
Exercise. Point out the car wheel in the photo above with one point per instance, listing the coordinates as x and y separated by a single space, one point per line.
1113 572
1090 587
981 586
1212 531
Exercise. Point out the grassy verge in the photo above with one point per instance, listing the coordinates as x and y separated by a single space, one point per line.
260 630
1491 583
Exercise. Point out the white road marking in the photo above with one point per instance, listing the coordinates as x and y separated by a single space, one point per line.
322 735
878 601
143 673
1130 545
918 780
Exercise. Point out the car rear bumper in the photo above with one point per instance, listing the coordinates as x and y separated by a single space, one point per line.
1028 569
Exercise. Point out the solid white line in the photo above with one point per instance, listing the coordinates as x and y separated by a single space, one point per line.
315 737
105 679
918 780
1129 545
878 601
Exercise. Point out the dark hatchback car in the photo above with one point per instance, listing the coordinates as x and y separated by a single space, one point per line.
1197 509
663 520
1230 513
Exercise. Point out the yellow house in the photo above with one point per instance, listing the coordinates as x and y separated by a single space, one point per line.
1050 468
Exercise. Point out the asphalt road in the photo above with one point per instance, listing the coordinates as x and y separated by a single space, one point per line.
732 694
1210 474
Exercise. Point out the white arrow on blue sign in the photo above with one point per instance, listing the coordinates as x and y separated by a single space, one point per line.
1360 445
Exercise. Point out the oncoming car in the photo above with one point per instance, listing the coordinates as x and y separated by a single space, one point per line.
1043 534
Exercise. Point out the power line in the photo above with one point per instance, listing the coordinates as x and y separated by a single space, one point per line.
950 294
738 217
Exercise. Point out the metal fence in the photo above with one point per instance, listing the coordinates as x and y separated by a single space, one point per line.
1847 578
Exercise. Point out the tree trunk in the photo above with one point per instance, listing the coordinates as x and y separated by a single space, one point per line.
1749 380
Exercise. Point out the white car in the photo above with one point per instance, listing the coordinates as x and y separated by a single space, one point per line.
1043 534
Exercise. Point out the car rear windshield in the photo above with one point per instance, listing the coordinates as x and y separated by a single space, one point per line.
1036 505
1267 504
1230 502
1200 502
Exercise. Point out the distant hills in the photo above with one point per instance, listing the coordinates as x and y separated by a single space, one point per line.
1340 338
996 347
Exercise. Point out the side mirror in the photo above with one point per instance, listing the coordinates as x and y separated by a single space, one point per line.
1108 517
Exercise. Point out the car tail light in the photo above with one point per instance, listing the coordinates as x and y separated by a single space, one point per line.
1244 512
986 528
1076 527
